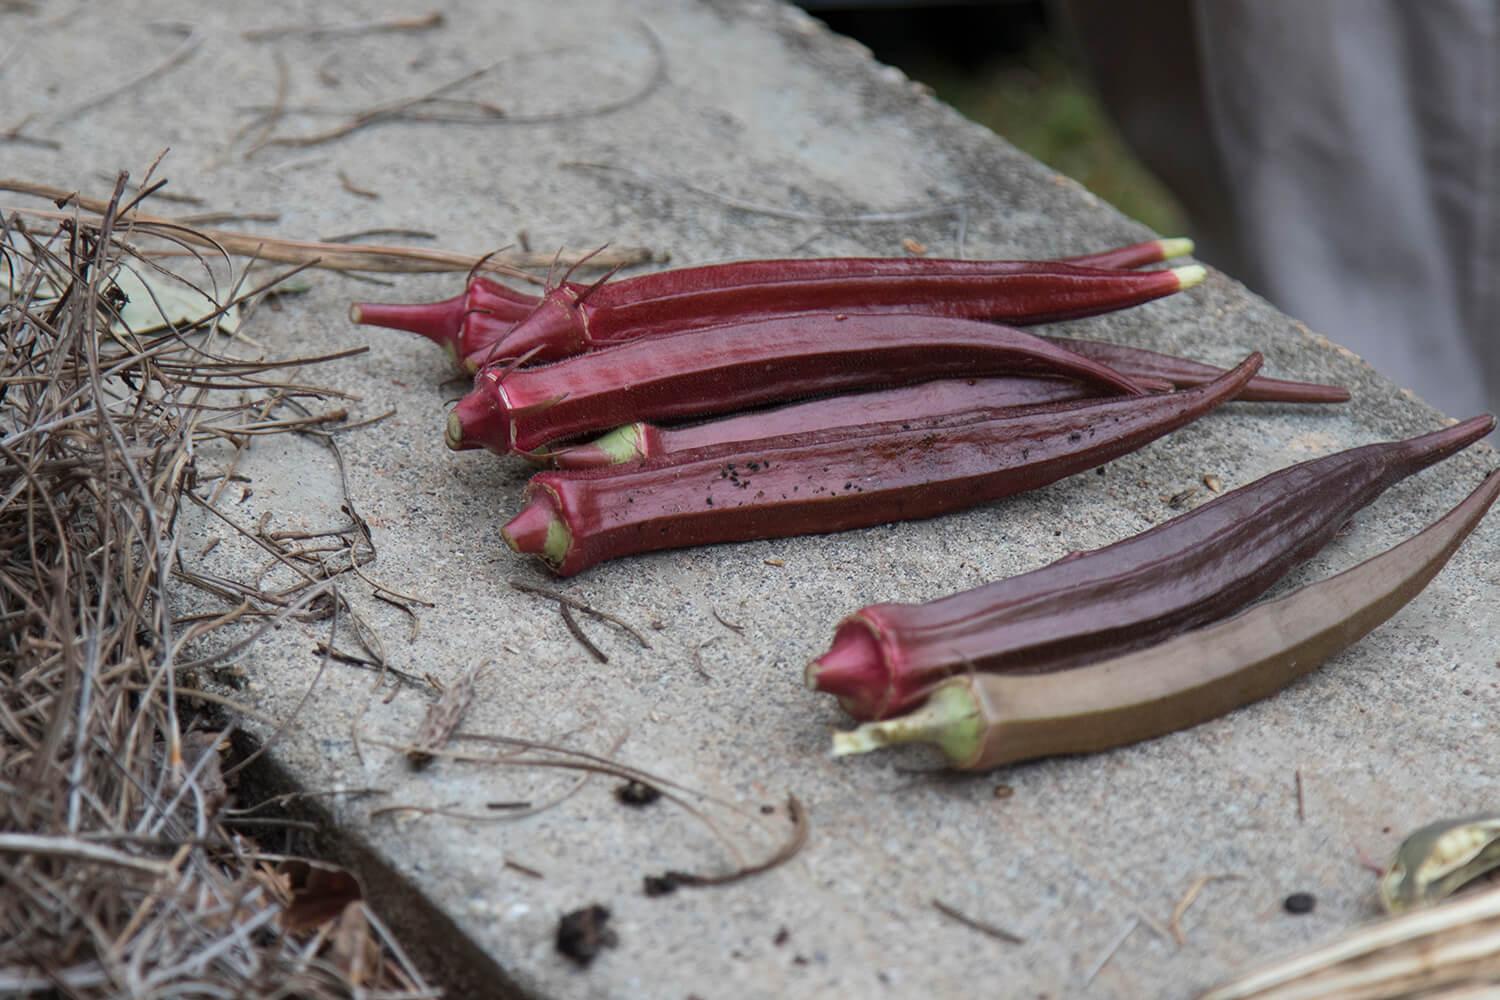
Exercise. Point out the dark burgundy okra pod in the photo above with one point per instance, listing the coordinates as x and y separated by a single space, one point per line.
1016 292
1193 569
836 480
952 399
945 398
981 721
742 365
472 326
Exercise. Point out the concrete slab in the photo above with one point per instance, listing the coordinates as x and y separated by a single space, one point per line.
1084 858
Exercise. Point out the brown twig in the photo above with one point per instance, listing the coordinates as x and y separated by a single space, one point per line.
410 108
336 256
355 189
420 22
577 605
578 634
117 858
998 933
786 852
1180 910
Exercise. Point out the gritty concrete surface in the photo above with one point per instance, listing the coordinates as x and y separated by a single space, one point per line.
1084 858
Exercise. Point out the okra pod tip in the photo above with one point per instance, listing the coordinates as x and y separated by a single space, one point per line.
623 444
853 665
538 531
440 322
1190 275
1175 246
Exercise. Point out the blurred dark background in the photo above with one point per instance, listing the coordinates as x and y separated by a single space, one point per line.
1011 66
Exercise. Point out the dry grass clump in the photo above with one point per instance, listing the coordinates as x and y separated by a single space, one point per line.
118 874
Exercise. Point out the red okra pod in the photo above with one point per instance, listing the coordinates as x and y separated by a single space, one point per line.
953 400
471 325
1182 372
1193 569
1018 292
947 398
981 721
735 367
836 480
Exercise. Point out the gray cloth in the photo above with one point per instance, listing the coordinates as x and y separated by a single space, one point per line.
1339 156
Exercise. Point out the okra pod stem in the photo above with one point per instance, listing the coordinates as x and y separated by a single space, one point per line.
739 366
1196 568
836 480
983 721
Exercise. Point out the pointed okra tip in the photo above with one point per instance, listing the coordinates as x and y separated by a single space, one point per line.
623 444
440 322
951 721
1175 246
853 668
1189 275
538 530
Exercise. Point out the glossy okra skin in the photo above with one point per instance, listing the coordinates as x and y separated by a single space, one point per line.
836 480
943 399
982 721
470 326
1183 373
1021 293
1196 568
952 397
742 365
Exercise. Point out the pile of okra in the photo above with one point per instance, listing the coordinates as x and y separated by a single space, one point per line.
770 398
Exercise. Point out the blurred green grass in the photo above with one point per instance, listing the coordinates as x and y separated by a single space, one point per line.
1042 104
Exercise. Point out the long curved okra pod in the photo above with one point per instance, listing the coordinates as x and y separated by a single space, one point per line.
950 396
924 402
471 326
982 721
1196 568
835 480
741 365
1019 292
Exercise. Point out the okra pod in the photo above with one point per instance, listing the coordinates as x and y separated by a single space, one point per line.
953 399
1149 369
1021 293
471 326
743 365
982 721
1196 568
836 480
